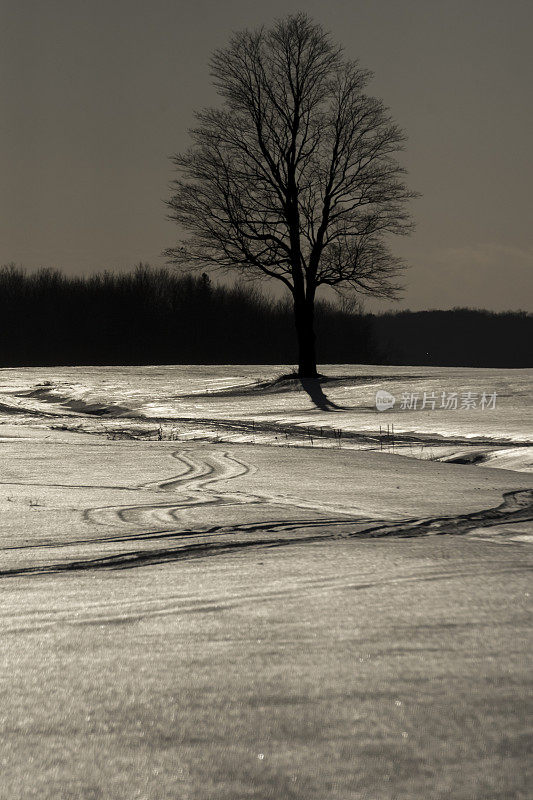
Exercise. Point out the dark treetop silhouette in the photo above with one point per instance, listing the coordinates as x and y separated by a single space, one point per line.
295 177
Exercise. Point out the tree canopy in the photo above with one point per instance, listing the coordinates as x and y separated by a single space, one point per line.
295 176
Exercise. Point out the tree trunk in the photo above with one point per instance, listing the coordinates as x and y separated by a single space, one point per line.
304 319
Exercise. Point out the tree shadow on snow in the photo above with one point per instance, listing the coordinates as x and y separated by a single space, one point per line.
316 393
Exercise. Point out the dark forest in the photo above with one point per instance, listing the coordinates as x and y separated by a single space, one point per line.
157 316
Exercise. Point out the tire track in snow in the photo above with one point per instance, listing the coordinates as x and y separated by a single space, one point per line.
193 484
198 474
517 507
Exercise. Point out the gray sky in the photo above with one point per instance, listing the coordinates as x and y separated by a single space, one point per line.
97 94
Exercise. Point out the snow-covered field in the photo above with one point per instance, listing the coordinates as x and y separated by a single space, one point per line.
216 584
483 414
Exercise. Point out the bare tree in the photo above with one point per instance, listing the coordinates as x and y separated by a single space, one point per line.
295 177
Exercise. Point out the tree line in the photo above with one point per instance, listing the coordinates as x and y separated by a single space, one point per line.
158 316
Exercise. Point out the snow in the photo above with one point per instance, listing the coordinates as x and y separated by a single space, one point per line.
225 401
174 607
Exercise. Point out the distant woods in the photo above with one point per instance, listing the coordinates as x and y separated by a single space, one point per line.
155 316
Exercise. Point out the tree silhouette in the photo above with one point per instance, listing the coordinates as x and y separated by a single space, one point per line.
295 176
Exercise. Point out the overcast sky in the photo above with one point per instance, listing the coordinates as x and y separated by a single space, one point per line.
97 95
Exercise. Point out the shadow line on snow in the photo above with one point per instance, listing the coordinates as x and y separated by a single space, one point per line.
517 506
319 399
